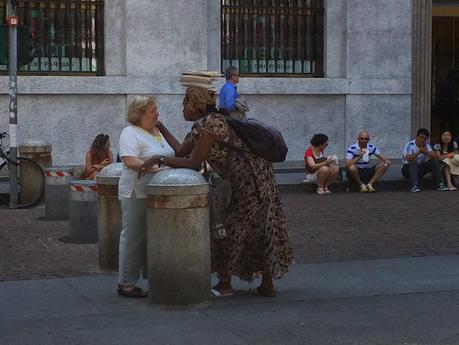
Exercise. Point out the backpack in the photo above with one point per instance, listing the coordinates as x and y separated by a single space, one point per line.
264 141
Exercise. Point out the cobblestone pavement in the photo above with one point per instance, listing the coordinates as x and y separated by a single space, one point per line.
344 226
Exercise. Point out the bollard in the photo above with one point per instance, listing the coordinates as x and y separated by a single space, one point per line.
82 212
108 216
40 152
178 238
57 192
37 150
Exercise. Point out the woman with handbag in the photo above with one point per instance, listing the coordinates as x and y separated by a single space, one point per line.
320 169
446 149
256 242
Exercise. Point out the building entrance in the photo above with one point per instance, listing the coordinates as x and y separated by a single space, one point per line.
445 69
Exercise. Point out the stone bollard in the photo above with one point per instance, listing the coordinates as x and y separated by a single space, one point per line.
108 216
178 238
40 152
57 192
37 150
82 212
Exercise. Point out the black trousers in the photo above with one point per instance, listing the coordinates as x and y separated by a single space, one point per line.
414 171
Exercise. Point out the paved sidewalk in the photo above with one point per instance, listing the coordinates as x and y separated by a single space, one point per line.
385 302
344 226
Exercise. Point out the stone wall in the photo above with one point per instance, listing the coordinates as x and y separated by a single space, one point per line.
148 44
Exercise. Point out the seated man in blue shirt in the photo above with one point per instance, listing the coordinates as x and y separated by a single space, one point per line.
419 159
228 93
358 165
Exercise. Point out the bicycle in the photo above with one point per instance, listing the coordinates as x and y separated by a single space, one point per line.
31 178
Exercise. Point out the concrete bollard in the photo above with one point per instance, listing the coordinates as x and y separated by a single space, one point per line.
40 152
57 192
82 212
108 216
37 150
178 239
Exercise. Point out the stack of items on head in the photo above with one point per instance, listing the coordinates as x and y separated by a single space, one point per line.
199 79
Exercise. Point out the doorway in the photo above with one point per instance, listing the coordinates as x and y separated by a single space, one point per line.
445 65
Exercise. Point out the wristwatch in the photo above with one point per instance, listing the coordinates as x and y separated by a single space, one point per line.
161 161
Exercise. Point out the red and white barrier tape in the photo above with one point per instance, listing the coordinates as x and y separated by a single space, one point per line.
58 173
78 188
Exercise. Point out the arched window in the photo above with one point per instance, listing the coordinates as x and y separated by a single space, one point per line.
273 37
66 37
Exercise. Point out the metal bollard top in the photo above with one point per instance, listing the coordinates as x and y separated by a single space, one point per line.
110 174
177 182
34 145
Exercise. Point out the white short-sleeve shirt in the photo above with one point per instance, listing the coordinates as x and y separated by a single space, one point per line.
136 142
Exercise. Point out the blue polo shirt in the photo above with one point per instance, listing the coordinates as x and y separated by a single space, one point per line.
228 96
354 150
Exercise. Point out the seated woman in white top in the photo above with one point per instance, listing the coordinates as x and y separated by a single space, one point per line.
138 142
320 169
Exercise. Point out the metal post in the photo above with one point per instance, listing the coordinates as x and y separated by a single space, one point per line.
13 67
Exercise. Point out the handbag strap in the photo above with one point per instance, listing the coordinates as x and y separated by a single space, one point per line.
229 157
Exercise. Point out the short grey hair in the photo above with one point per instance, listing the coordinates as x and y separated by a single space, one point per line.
138 107
230 71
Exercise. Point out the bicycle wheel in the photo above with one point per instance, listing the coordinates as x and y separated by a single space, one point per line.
4 183
31 182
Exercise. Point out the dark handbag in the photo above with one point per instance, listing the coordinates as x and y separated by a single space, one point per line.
220 195
219 199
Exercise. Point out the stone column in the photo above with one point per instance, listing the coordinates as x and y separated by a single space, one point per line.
178 239
109 220
422 64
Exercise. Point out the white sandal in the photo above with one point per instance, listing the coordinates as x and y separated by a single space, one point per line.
320 191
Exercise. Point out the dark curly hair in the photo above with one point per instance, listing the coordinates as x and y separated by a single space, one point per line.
318 139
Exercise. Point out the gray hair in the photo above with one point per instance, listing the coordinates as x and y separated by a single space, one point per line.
138 107
230 71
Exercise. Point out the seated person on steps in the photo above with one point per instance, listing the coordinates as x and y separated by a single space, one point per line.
98 156
320 169
419 159
446 149
359 169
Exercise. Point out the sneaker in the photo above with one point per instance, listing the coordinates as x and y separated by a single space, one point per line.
415 189
370 188
442 187
363 188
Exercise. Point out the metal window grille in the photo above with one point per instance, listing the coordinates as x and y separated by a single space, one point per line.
67 37
273 37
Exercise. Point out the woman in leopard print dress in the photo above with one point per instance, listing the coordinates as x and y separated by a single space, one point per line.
257 242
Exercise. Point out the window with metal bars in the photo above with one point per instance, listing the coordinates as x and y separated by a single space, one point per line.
67 37
273 37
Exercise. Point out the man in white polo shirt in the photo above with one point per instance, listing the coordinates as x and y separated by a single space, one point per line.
419 159
359 169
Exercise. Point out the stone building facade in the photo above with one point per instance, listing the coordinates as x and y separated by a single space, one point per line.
373 75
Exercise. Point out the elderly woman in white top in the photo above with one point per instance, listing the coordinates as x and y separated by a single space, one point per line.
138 142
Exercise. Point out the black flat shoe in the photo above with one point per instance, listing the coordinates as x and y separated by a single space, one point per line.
133 293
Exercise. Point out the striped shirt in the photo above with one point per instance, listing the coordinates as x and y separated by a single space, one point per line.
354 151
411 148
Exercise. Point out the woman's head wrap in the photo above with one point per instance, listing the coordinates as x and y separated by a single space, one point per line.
200 98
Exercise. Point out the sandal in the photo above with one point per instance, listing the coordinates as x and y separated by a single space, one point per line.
259 292
320 191
136 292
327 191
217 293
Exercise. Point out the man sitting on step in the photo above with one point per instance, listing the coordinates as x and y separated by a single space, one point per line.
359 169
419 159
